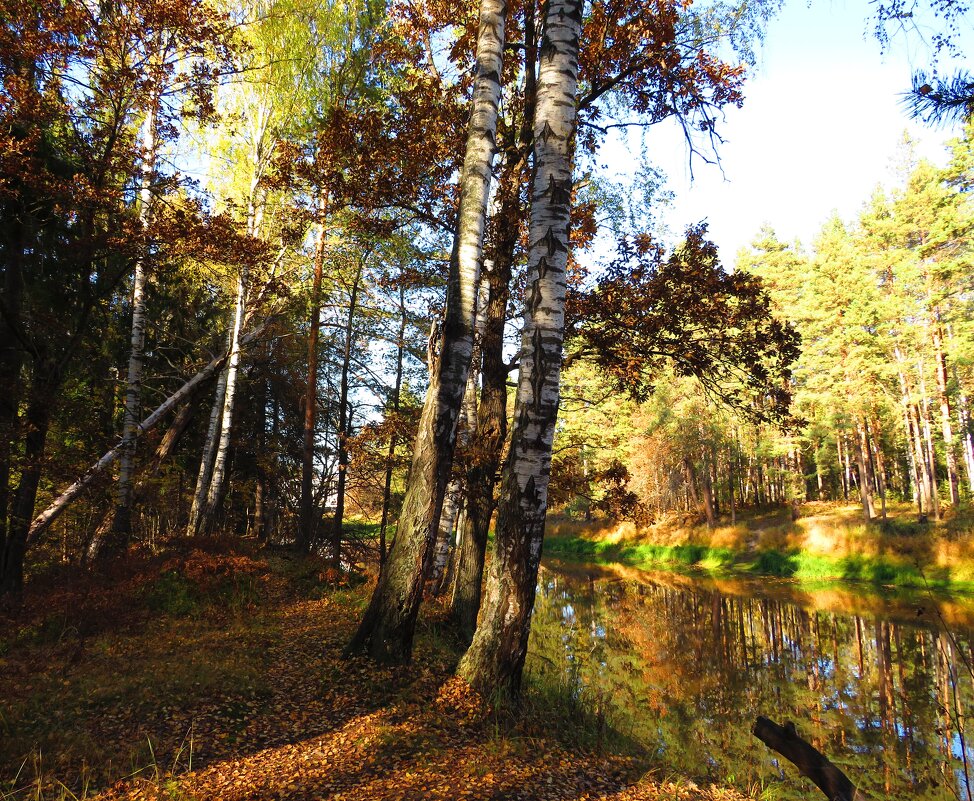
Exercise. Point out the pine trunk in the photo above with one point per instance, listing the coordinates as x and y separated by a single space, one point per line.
393 439
865 474
386 631
306 515
940 363
931 453
344 423
44 386
495 660
874 435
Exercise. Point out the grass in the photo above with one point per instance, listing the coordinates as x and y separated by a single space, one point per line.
828 543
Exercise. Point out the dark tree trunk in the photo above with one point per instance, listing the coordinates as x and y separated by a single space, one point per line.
11 364
307 517
492 408
44 387
826 776
344 424
393 439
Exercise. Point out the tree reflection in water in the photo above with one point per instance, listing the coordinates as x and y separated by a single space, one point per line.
683 666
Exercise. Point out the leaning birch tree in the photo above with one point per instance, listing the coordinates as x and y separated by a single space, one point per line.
495 660
386 630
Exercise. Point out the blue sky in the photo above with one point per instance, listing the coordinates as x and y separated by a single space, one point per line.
819 128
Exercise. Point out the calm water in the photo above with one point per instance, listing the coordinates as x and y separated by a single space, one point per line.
684 665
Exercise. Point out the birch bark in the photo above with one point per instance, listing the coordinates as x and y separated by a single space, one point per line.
495 660
386 630
122 521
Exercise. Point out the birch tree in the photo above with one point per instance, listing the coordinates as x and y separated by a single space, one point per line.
495 660
386 630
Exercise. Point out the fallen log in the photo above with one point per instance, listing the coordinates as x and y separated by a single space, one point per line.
43 521
809 761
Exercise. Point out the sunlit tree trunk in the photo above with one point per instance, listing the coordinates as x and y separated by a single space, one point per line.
931 453
209 452
306 515
444 536
491 424
214 494
964 427
940 365
707 490
494 661
386 631
491 432
344 419
865 477
873 432
393 439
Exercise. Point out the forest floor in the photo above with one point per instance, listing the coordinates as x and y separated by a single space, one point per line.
826 542
216 672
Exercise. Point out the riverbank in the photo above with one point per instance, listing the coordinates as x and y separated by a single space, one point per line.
826 543
215 672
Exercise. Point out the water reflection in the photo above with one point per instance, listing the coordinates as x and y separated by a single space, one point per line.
684 666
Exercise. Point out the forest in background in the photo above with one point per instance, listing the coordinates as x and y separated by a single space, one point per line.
880 391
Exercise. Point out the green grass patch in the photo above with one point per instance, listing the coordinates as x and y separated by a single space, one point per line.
792 564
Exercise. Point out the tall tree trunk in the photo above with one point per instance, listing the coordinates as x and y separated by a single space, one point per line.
940 365
307 516
491 422
393 439
44 387
121 531
873 433
386 630
865 477
490 435
344 421
11 366
964 427
731 478
707 490
215 492
931 453
494 661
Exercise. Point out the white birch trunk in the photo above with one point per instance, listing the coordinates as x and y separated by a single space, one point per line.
495 659
214 490
121 524
444 535
209 452
386 631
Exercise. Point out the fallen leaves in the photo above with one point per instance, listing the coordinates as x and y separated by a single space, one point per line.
265 707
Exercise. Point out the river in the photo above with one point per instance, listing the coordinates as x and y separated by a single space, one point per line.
880 682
